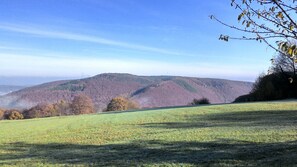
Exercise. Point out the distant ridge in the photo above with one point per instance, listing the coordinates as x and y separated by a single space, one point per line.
149 91
5 89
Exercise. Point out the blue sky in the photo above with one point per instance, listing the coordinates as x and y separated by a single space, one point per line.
78 38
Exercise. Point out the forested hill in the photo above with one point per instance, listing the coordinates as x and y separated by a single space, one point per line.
149 91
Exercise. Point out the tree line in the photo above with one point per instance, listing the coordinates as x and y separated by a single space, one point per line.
81 104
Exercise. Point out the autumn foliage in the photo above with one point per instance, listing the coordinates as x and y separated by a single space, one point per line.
121 104
40 111
82 104
13 115
63 108
2 114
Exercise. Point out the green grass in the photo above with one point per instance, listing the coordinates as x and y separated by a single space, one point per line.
254 134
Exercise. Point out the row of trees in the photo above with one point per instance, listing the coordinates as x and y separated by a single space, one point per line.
81 104
122 104
10 114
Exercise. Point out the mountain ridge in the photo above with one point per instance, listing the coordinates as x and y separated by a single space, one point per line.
148 91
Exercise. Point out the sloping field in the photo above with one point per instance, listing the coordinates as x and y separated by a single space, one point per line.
263 134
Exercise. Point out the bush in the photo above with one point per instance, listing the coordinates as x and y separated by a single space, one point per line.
245 98
13 115
40 111
48 110
2 114
117 104
121 104
82 104
199 101
132 105
275 86
62 108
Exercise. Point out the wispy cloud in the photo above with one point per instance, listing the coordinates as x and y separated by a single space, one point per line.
12 48
86 38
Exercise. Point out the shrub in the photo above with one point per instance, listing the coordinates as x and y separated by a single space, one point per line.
48 110
117 104
245 98
275 86
2 114
13 115
200 101
40 111
132 105
62 108
82 104
121 104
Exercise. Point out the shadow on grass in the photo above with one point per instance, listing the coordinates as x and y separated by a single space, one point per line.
222 152
232 119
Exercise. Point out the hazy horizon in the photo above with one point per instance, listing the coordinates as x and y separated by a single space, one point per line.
36 80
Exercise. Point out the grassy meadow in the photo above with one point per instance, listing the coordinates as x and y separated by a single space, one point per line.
263 134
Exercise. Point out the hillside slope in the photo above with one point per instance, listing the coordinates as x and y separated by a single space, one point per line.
158 91
249 134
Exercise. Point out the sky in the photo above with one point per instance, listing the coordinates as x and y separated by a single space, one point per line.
82 38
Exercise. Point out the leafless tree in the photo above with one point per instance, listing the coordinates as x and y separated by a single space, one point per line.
270 21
